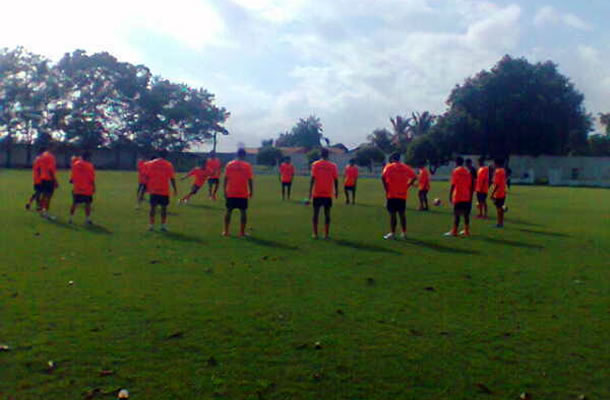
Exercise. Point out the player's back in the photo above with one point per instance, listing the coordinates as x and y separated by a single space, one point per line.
397 176
215 167
286 171
499 181
238 173
424 179
159 172
47 166
482 185
36 173
83 177
324 172
461 179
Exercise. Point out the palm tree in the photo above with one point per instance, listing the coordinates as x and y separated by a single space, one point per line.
422 122
401 135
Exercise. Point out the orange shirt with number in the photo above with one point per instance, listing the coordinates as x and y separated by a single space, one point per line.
461 180
238 173
397 177
159 172
325 173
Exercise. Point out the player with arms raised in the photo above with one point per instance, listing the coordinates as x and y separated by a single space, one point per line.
324 184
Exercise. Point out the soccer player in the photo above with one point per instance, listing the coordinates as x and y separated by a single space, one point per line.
424 187
286 175
238 188
37 189
473 172
82 178
397 177
324 183
200 175
48 181
351 179
141 181
498 194
215 167
482 188
461 197
159 174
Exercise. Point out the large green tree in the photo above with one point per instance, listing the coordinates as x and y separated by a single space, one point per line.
306 133
382 139
522 108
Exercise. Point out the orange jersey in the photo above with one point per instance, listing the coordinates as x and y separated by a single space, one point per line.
36 171
397 177
482 185
142 171
200 175
500 183
324 173
159 172
461 180
83 178
214 166
424 179
48 167
286 172
237 174
351 175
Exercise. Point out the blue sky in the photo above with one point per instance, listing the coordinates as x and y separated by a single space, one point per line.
353 63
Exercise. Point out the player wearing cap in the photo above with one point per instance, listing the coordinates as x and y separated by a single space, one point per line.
323 186
397 177
82 177
238 188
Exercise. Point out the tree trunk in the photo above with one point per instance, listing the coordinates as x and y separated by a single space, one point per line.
215 141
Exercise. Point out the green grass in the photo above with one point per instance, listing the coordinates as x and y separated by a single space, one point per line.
524 309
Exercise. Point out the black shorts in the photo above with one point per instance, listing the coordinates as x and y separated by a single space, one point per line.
463 207
236 202
82 199
396 205
423 192
213 181
350 188
37 188
500 202
195 189
481 197
159 200
47 187
326 202
286 184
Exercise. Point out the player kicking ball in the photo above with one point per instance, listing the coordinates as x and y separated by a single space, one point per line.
159 174
461 197
350 182
397 177
200 175
324 184
238 188
82 177
287 171
498 193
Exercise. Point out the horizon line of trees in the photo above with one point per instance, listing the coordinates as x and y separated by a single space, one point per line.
95 101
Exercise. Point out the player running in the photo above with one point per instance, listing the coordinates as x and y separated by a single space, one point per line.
482 188
324 183
397 177
48 181
141 181
200 175
461 197
159 174
37 189
215 167
498 194
238 188
287 171
82 177
424 187
350 182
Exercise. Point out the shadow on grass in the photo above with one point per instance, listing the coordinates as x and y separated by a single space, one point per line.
513 243
365 247
98 229
203 206
440 247
518 221
270 243
543 233
181 237
61 224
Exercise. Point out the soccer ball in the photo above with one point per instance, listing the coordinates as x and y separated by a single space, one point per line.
505 208
123 394
437 202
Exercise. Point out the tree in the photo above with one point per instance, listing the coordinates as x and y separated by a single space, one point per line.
366 156
313 155
522 108
266 143
599 145
401 136
269 155
382 139
306 133
421 123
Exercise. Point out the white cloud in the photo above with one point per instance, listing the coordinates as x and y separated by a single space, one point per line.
550 16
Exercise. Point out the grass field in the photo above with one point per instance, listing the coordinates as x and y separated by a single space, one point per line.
192 315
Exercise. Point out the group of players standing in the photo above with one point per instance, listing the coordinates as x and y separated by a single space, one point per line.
157 174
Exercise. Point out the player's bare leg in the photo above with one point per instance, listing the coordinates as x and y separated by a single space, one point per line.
227 221
151 217
164 218
500 217
243 222
346 196
288 190
316 215
214 191
88 214
403 223
326 222
354 196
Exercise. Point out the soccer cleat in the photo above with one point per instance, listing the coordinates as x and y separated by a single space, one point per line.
450 234
27 206
163 228
403 236
226 234
151 228
314 236
464 233
388 236
88 222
